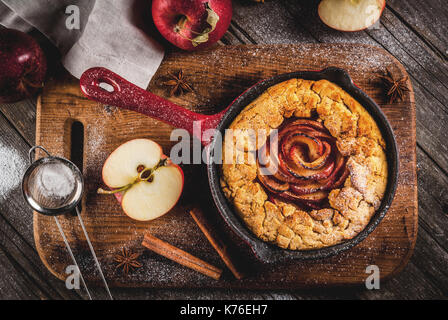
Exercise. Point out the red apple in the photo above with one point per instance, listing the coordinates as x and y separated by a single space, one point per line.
192 24
144 180
23 66
350 15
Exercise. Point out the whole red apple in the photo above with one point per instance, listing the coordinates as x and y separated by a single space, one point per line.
192 24
23 66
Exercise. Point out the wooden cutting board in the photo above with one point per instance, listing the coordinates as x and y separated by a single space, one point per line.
67 122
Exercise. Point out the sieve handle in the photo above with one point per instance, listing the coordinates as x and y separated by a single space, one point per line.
33 149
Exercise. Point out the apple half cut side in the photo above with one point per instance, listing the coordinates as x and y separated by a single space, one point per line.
143 179
350 15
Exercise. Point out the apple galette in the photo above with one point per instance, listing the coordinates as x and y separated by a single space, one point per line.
308 166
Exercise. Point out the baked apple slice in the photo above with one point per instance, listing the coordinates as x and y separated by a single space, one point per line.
340 181
309 145
271 183
315 197
309 123
330 182
297 154
306 188
303 173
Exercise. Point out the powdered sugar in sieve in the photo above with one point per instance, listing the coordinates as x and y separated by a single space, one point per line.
52 184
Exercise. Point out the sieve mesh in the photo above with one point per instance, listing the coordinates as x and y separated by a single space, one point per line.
52 184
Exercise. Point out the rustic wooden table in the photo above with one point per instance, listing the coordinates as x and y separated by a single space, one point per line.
415 32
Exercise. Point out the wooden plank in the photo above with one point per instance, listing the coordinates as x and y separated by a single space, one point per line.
411 284
429 21
269 23
13 287
431 259
22 115
218 75
433 199
419 59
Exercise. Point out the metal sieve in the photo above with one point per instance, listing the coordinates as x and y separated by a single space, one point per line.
54 186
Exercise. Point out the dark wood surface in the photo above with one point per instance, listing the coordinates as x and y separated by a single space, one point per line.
218 75
415 34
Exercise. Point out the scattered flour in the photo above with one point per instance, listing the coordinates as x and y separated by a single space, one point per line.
12 167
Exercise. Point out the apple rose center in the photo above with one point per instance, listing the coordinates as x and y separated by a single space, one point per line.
306 166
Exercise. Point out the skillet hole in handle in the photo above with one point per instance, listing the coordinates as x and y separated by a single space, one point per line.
106 85
101 84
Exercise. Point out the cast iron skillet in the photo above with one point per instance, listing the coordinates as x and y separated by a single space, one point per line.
126 95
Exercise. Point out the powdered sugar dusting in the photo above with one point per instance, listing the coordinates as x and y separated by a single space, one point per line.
95 141
12 167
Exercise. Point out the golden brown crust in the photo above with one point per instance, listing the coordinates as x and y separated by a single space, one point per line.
358 138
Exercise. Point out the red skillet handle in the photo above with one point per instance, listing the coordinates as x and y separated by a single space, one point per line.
128 96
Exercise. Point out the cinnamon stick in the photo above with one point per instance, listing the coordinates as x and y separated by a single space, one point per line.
177 255
221 249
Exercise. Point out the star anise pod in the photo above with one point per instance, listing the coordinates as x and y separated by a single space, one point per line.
127 260
396 88
178 84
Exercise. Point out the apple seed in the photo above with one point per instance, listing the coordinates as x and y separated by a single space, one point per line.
145 174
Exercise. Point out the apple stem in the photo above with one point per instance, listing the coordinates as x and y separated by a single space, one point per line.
201 37
126 187
180 26
144 175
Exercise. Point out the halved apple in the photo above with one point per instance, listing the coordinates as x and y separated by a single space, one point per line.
143 179
350 15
